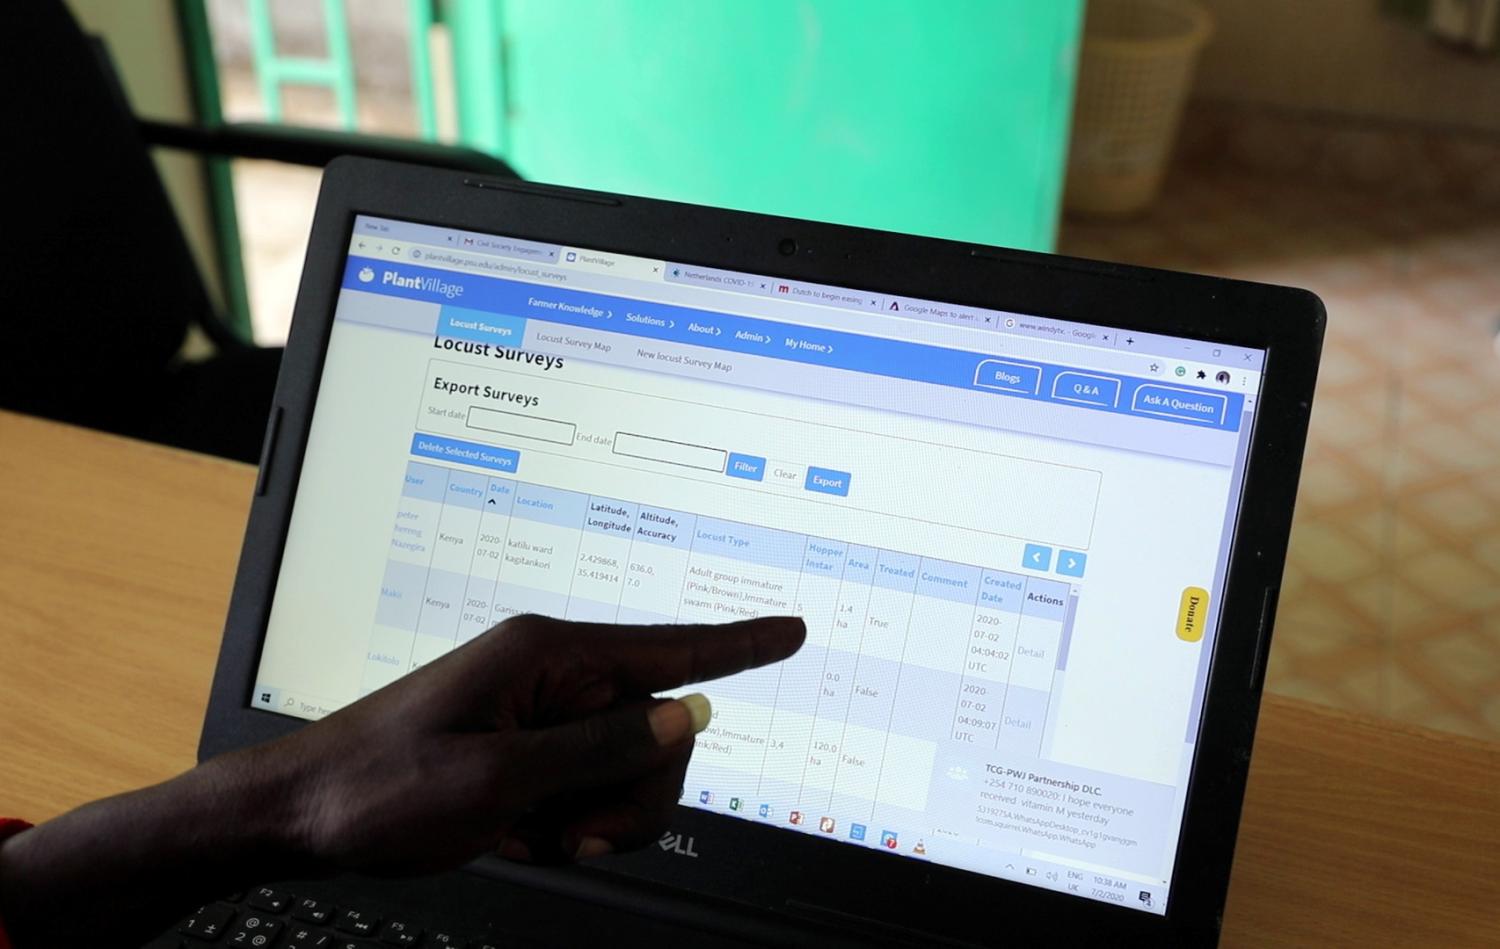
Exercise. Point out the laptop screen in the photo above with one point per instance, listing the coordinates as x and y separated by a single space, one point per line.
1007 534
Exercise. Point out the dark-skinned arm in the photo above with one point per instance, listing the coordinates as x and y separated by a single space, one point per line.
538 740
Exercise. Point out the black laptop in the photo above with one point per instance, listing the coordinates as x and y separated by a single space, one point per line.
1033 510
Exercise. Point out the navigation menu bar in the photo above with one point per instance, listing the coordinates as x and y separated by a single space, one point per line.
490 310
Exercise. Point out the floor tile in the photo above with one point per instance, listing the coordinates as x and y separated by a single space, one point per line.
1391 598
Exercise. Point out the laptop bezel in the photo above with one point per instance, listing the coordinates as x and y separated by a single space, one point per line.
786 873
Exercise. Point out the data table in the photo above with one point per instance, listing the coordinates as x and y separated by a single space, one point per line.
900 647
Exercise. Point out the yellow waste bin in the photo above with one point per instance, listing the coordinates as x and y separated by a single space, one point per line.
1135 70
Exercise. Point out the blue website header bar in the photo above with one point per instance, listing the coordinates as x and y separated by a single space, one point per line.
493 310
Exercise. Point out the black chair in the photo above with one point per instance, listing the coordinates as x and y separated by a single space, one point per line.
102 288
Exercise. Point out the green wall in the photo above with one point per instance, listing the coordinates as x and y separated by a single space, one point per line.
940 118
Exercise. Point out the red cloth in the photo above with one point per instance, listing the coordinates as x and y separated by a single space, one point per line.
9 827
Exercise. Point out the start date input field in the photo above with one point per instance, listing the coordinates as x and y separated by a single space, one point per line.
500 422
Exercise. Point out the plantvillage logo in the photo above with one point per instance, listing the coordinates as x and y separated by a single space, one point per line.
437 285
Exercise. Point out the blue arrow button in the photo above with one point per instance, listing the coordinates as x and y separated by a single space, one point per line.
1070 563
1037 557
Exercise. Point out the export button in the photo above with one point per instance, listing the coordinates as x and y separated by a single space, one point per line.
827 481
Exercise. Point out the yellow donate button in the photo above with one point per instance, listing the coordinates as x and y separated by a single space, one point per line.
1192 613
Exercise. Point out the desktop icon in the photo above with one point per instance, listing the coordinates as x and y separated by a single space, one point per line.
734 804
765 810
826 825
795 817
856 831
705 797
888 839
920 849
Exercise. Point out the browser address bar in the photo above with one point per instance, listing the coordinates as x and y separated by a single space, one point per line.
432 256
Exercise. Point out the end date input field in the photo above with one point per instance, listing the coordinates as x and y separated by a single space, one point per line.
673 453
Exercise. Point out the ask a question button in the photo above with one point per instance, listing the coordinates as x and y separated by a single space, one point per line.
1187 405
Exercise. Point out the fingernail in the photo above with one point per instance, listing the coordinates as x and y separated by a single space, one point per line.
590 847
678 719
699 709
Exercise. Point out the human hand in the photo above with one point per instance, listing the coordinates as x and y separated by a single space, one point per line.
539 739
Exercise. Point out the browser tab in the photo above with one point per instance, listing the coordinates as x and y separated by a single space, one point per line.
827 296
617 265
453 239
1062 331
523 250
716 279
944 313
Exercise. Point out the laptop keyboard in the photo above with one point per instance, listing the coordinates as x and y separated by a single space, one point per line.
269 918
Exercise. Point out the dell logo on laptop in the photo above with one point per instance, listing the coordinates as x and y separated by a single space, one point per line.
677 843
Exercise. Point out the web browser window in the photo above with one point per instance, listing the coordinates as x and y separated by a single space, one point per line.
1007 534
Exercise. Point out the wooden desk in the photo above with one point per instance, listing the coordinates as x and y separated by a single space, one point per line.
116 560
